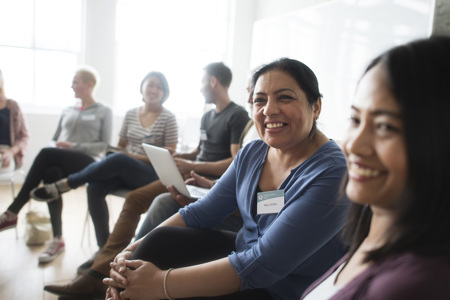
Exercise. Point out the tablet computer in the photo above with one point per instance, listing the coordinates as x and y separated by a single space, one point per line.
167 171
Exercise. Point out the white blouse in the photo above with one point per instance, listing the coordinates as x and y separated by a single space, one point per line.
326 289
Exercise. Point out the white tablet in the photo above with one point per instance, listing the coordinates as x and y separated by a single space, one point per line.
167 171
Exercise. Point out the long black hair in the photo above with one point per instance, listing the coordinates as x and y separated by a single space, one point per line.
418 76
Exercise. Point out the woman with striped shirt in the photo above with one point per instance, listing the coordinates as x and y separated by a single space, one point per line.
128 168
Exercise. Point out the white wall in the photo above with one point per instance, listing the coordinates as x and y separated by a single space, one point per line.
246 13
100 45
270 8
337 39
100 53
240 48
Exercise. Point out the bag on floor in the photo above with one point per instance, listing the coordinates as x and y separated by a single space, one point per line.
38 228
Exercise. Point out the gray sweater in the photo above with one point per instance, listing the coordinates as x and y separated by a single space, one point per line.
89 130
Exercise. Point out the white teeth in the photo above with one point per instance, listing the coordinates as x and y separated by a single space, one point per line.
364 171
274 125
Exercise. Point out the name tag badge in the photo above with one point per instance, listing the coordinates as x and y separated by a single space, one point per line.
149 139
88 117
270 202
203 135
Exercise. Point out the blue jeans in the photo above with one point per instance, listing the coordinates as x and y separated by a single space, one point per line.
164 206
116 171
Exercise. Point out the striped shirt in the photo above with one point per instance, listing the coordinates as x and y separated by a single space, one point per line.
162 133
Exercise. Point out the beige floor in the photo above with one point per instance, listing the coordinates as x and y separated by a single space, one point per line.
21 277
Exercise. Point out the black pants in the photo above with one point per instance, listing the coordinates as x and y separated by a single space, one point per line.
176 247
50 165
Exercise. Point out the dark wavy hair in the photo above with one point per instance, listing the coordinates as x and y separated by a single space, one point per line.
302 74
164 83
418 76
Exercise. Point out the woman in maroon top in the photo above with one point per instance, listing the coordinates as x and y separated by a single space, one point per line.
13 132
397 149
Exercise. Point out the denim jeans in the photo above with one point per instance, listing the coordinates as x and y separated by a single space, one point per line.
116 171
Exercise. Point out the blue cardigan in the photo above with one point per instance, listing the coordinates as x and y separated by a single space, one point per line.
282 252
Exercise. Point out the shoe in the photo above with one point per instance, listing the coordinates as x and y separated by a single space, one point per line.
80 298
56 247
84 286
6 222
46 193
86 266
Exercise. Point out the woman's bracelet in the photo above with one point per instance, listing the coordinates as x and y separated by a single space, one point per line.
165 280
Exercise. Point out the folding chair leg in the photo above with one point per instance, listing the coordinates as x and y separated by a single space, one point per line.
86 229
13 194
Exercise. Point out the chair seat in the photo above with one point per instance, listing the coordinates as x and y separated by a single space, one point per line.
120 193
11 176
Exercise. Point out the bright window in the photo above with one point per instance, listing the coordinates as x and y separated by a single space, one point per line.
175 37
337 40
40 46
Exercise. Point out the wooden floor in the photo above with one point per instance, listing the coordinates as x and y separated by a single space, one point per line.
21 276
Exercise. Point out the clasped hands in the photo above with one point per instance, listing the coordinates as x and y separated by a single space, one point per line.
133 279
138 279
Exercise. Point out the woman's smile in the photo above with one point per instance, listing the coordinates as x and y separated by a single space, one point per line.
275 125
359 172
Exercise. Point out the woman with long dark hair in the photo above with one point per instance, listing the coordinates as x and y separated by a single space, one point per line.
397 150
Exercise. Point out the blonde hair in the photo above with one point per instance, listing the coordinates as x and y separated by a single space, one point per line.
88 74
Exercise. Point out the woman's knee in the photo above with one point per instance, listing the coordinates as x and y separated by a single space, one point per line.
115 158
181 246
138 200
52 174
45 154
98 189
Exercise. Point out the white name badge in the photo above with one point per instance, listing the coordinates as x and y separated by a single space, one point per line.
203 135
149 139
270 202
88 117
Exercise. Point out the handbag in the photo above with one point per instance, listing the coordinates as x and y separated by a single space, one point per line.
38 228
